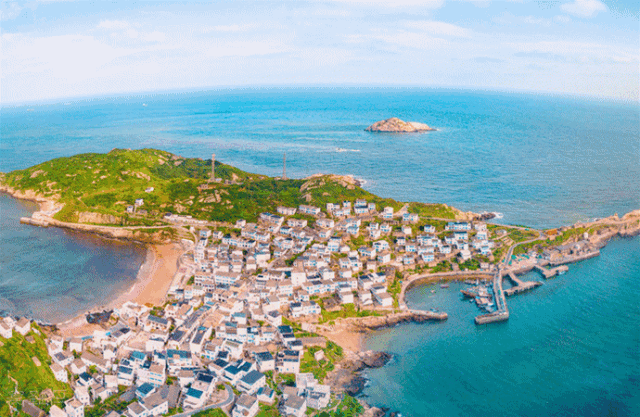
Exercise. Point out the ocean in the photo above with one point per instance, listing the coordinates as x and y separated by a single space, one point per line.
541 161
570 348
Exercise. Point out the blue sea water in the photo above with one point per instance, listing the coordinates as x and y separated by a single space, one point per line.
571 347
542 161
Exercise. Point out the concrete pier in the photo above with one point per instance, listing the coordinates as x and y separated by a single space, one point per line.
550 273
502 312
521 286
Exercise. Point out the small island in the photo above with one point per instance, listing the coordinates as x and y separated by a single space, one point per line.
395 125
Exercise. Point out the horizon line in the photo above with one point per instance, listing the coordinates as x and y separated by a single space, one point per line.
231 87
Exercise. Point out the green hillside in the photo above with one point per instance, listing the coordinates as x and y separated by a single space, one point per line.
108 183
21 378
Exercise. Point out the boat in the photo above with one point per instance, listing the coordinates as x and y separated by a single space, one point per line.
468 293
444 285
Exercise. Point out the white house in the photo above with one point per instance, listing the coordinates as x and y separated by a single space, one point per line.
246 406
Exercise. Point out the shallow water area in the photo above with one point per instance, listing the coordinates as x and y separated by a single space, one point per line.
53 274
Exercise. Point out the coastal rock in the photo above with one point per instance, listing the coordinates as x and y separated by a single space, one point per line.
395 125
355 385
390 320
484 216
376 359
375 412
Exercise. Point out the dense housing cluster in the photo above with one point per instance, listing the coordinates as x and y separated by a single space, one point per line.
240 322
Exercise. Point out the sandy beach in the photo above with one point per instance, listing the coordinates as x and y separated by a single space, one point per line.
151 286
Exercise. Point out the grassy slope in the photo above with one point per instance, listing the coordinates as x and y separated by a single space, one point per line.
108 183
16 363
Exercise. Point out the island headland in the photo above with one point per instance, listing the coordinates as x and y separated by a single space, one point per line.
395 125
285 275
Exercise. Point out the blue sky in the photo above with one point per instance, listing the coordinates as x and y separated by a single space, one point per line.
59 49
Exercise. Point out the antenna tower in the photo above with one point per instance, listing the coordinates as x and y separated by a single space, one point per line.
284 166
213 167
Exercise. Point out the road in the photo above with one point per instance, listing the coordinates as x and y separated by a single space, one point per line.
505 261
229 400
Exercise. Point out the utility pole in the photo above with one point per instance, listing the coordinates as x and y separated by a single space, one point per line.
213 167
284 166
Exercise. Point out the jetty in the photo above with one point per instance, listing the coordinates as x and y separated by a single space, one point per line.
502 312
550 273
520 286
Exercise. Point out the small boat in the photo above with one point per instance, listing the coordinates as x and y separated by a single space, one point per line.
433 291
444 285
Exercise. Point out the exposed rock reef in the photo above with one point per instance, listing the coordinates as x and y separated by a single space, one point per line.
366 324
395 125
348 377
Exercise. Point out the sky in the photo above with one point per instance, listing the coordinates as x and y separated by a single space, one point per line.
53 49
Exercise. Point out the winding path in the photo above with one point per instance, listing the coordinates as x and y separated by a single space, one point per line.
230 398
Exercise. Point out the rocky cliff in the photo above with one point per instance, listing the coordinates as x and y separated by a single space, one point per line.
395 125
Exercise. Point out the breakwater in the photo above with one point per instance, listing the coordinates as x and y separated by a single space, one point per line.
520 286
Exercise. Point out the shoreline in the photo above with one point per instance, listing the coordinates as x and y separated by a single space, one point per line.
152 283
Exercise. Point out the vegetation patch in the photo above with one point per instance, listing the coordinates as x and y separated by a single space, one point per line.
21 379
347 310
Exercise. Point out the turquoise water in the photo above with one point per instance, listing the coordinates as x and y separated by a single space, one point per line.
570 348
53 275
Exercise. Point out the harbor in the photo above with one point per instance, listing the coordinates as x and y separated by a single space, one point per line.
502 311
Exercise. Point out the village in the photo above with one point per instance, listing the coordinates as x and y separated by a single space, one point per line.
236 331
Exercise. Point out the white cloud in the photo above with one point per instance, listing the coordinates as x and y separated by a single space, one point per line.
10 11
154 36
399 38
431 4
65 56
570 51
437 28
532 20
114 24
584 8
132 33
229 28
562 19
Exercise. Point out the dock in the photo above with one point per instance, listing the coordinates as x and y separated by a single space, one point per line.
550 273
520 286
502 312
